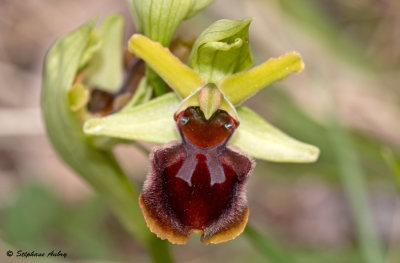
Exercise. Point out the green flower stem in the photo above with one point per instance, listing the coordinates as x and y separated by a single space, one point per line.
266 246
98 167
355 188
394 164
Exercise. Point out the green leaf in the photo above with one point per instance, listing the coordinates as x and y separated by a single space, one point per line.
99 168
179 76
243 85
105 68
152 122
261 140
159 19
221 50
356 190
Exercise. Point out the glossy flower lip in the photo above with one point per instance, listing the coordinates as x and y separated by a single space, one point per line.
203 133
197 188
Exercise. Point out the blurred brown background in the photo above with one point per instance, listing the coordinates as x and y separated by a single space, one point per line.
351 50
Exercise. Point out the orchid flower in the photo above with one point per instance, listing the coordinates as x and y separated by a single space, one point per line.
197 179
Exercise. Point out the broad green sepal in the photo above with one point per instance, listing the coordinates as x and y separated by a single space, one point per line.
261 140
152 122
178 76
159 19
105 68
240 86
221 50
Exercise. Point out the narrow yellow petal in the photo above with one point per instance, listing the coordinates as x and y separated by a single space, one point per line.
242 85
177 75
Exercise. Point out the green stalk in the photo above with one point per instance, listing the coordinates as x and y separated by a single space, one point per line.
270 250
394 164
355 188
98 167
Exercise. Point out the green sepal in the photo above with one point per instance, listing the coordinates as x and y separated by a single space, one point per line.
261 140
221 50
176 74
152 122
240 86
105 69
159 19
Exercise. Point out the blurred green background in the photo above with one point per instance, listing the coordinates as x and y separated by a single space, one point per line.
344 208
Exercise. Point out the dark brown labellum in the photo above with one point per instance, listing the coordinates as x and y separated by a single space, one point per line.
197 185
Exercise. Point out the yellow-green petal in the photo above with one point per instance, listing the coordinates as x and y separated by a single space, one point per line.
243 85
261 140
176 74
151 122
